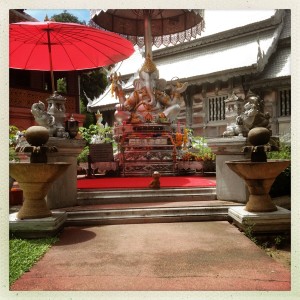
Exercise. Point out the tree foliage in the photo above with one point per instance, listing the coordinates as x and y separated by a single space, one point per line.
93 83
66 17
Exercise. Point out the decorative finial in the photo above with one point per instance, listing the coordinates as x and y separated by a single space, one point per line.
149 66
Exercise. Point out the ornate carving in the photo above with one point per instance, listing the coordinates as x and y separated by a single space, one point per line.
53 119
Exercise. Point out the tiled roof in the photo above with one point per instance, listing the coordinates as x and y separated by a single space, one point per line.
231 50
106 101
18 15
279 65
228 55
286 31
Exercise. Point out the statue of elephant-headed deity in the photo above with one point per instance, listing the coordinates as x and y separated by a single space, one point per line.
149 98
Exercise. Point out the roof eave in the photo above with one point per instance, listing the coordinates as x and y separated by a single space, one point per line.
270 82
223 75
237 32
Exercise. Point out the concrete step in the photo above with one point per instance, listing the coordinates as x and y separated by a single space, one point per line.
213 210
91 197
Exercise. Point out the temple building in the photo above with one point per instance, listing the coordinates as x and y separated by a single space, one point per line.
255 57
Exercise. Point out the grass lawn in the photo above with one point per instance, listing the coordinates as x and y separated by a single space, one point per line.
24 253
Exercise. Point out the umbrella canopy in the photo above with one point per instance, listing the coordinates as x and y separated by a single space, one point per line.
161 26
55 46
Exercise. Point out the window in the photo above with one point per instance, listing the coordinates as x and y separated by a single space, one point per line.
284 103
216 108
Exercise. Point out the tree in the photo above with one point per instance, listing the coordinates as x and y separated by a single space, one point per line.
66 17
93 83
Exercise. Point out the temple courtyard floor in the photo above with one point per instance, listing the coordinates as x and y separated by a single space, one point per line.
185 256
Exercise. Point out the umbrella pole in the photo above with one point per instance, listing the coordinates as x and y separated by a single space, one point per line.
148 35
52 81
50 60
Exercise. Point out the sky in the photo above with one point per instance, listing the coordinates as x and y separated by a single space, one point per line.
81 14
215 20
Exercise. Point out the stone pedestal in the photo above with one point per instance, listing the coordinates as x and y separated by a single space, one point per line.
261 222
63 192
230 187
37 228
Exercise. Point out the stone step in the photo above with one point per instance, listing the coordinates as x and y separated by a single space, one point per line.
149 213
90 197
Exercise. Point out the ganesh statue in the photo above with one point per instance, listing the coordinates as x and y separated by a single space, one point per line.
152 99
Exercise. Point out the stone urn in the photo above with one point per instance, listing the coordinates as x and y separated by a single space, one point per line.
259 177
258 172
35 178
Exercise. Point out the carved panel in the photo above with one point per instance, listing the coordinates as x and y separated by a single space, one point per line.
25 99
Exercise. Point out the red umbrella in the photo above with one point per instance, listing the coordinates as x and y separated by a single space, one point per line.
55 46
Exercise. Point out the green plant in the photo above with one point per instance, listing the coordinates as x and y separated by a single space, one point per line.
199 143
282 184
104 133
13 131
13 156
62 85
283 153
279 240
13 137
23 253
89 117
248 231
265 241
83 156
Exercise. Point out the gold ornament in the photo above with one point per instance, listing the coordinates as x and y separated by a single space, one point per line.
149 66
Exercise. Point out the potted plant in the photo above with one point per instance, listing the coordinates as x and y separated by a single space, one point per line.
204 153
94 135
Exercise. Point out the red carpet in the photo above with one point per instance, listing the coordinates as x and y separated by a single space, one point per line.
143 182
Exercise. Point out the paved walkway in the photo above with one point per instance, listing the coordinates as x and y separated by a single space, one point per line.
190 256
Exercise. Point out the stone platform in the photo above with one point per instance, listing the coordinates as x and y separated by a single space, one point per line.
37 228
261 222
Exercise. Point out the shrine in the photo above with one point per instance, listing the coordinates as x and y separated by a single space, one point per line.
170 232
145 130
146 148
